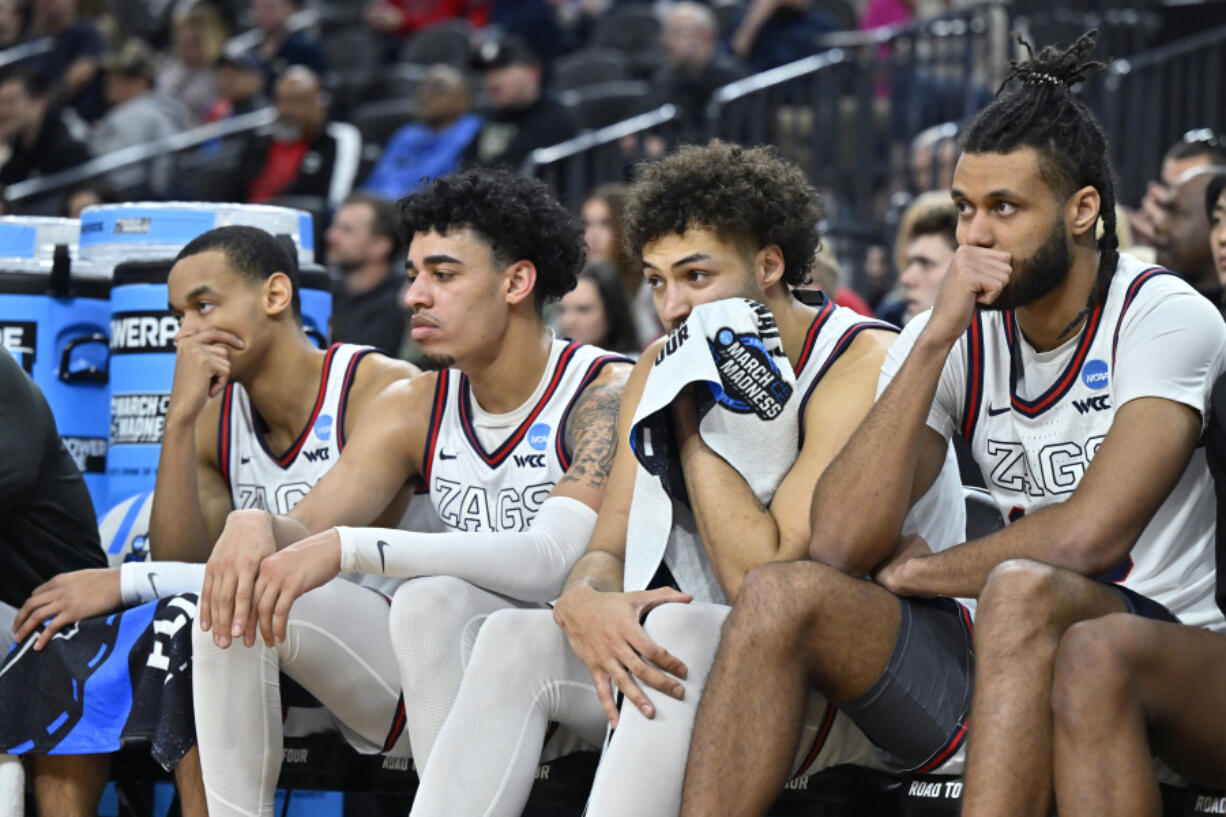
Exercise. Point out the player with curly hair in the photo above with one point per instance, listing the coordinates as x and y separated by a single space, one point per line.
709 223
512 440
1080 379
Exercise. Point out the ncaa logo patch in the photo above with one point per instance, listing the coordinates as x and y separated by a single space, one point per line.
750 378
1094 374
538 436
323 427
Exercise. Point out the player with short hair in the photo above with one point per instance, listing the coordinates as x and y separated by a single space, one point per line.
926 242
513 441
711 223
1080 379
248 382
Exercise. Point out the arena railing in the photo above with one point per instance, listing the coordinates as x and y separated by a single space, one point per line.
134 163
1149 101
575 167
847 114
25 51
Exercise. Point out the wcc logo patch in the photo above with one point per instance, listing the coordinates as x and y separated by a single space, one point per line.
751 379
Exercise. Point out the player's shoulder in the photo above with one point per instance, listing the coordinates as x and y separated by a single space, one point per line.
871 344
403 403
376 370
613 372
1148 295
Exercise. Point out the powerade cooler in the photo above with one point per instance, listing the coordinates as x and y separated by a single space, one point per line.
53 320
138 242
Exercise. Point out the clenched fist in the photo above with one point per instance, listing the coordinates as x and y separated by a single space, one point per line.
202 367
975 276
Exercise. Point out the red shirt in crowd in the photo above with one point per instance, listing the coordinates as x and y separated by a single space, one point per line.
418 14
279 170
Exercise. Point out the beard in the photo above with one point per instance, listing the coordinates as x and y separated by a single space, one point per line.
434 363
1036 276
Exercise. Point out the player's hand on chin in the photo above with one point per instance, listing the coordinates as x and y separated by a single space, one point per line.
893 572
604 630
284 576
66 599
975 276
229 577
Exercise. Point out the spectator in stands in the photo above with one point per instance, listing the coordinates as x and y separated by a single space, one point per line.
534 22
926 243
299 156
775 32
602 229
827 276
76 57
364 246
523 117
400 18
579 17
431 146
1215 209
281 47
137 114
596 311
12 23
933 154
1181 234
1197 148
37 139
88 195
190 74
878 282
240 85
880 13
694 66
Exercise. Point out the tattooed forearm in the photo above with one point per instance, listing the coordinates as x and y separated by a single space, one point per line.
591 433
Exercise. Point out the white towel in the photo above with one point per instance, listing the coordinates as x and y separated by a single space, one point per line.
747 408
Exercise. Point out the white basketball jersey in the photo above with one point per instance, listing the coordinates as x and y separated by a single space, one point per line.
1033 450
474 488
258 478
829 335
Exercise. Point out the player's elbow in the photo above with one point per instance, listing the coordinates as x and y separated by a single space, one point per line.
1093 550
843 553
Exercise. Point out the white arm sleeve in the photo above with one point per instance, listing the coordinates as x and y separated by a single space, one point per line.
530 565
140 582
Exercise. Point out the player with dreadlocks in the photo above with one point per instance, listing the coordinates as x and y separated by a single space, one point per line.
1080 379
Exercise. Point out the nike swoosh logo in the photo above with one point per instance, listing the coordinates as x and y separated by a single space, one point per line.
382 561
154 586
443 455
244 460
995 412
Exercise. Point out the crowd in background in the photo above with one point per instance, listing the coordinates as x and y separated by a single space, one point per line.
87 78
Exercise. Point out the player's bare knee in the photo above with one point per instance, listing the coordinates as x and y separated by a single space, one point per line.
1093 668
776 601
1019 602
1016 596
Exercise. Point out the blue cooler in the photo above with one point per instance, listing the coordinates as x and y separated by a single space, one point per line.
140 242
54 313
